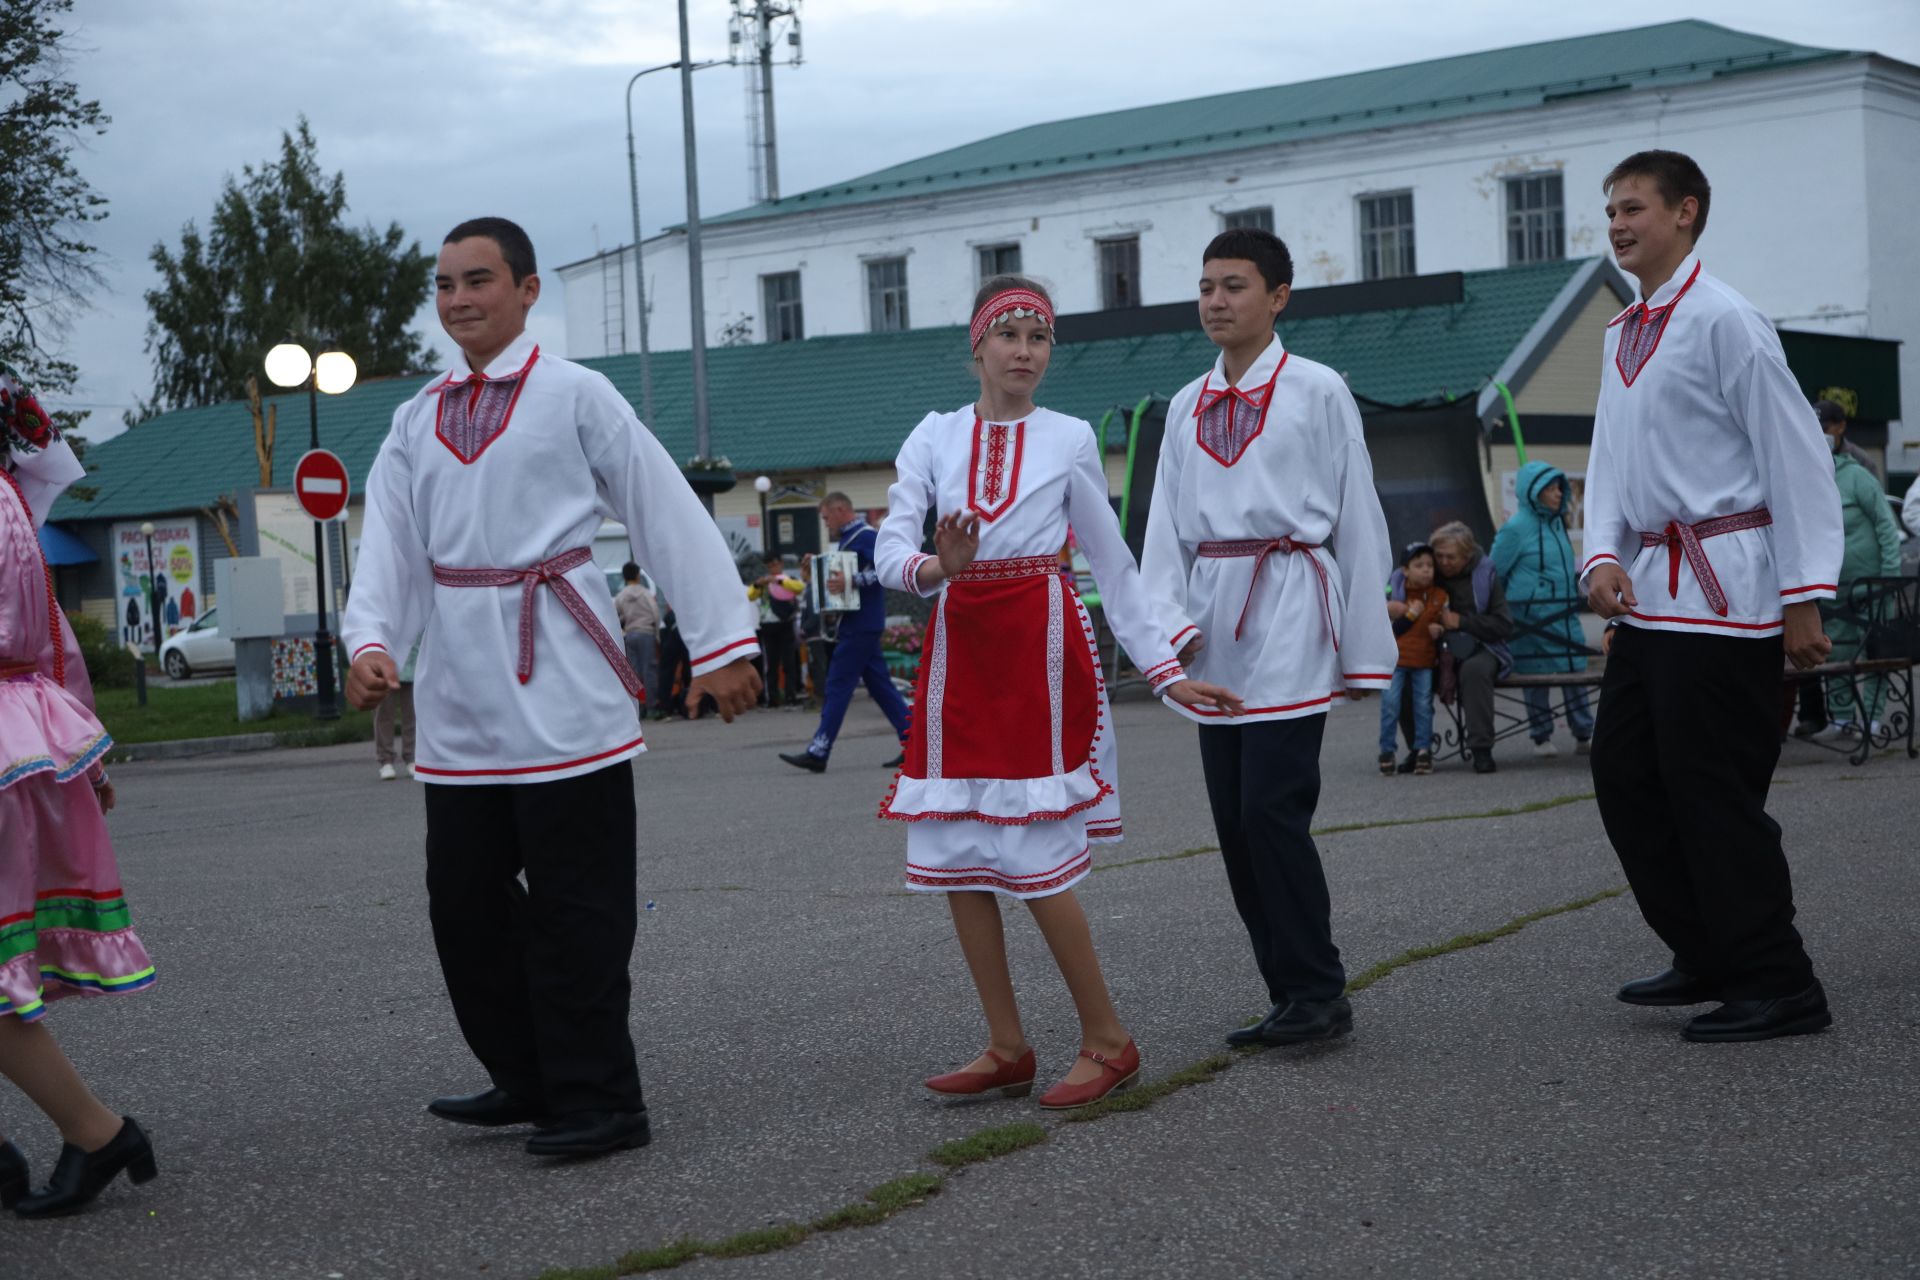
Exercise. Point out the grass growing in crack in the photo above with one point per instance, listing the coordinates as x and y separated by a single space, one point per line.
1534 806
1462 942
660 1258
760 1240
1144 1096
883 1201
989 1144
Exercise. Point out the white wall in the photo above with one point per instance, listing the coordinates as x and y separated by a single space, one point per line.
1814 172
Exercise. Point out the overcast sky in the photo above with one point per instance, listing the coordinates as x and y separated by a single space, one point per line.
437 110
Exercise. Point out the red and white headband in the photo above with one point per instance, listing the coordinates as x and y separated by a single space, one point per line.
1015 303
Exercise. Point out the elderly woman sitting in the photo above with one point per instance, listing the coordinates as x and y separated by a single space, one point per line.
1478 625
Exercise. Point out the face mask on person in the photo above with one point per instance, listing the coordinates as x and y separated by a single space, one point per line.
1833 444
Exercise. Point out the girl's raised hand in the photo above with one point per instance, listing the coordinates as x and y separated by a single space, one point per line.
956 540
1197 693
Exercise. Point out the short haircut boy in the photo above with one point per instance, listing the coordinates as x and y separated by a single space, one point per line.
1265 250
514 244
1673 174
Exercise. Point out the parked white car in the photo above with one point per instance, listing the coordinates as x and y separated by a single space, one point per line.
198 648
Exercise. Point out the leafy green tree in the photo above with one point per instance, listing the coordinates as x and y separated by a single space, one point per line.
46 206
278 259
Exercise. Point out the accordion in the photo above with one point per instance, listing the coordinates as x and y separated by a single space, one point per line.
826 565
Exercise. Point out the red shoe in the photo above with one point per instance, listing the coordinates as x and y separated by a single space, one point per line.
1118 1072
1014 1079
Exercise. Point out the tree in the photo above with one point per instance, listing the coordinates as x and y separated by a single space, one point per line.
46 263
278 259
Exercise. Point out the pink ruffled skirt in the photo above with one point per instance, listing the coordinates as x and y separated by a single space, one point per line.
64 924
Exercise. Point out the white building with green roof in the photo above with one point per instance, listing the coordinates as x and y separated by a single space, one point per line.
1469 163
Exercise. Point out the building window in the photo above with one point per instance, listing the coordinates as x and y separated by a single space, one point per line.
1536 219
1386 236
780 301
886 295
1119 273
998 260
1260 219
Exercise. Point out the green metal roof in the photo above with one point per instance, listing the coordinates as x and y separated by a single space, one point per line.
1658 57
846 400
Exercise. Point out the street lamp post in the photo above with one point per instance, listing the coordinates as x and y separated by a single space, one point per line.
764 484
289 365
153 591
696 290
639 267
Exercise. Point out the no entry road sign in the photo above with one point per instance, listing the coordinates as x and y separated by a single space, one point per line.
320 482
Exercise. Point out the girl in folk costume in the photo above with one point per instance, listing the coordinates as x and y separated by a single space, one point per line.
63 919
1010 775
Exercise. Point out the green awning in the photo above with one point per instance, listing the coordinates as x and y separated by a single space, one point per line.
1862 374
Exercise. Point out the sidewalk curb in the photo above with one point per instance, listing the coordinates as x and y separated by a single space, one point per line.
185 748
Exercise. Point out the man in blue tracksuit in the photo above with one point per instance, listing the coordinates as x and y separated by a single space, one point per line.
856 655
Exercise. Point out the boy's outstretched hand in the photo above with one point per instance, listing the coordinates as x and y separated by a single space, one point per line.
1197 693
735 687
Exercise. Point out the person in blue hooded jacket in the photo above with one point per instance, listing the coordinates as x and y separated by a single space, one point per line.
1535 560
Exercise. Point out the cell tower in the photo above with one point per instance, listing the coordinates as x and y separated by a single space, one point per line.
756 30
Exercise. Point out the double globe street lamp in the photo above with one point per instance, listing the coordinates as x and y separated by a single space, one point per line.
289 365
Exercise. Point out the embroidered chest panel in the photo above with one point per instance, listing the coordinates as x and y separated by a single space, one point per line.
1639 338
993 475
473 415
1228 419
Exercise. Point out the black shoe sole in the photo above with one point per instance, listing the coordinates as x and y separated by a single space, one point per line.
1804 1025
1667 1002
539 1121
627 1142
1334 1032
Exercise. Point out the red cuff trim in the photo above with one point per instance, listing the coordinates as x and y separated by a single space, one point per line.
363 648
910 576
1182 634
750 640
1818 586
532 768
1165 678
1351 676
1594 560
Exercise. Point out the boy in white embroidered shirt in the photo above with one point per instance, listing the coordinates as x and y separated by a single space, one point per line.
1713 528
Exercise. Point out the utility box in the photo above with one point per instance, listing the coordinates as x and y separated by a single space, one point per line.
249 593
251 615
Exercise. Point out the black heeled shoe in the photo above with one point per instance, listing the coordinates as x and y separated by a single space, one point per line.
81 1175
14 1178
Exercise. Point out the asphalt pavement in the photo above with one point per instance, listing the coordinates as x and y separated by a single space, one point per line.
1497 1113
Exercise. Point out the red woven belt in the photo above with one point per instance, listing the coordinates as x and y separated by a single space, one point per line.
1685 539
1260 549
11 670
995 570
549 572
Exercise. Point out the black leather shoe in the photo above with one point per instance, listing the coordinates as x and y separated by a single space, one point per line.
490 1108
804 760
592 1133
1794 1015
15 1178
1670 988
1298 1022
1407 765
81 1175
1483 761
896 762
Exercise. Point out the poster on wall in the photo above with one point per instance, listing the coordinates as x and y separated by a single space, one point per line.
286 534
172 593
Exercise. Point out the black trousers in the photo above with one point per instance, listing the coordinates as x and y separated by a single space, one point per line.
1263 781
782 659
1683 752
538 974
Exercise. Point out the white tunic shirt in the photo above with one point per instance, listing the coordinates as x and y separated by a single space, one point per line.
1699 419
1284 458
478 473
